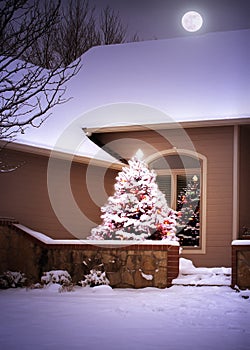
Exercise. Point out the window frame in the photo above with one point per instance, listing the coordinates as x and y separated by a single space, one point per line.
203 190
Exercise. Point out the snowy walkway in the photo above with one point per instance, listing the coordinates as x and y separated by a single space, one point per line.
202 276
102 318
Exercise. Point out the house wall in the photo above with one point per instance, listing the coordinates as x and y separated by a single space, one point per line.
215 143
244 177
25 197
24 192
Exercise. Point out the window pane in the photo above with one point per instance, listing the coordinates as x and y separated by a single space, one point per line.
164 184
175 161
188 207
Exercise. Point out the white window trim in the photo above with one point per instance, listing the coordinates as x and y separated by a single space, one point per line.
202 248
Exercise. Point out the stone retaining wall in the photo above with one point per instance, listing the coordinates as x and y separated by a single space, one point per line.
241 264
127 266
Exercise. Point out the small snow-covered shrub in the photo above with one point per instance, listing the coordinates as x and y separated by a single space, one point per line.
94 274
56 276
94 278
61 277
12 279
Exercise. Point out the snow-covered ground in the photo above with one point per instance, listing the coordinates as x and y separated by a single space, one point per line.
180 317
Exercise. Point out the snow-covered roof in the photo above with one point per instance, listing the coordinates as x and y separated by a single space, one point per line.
186 79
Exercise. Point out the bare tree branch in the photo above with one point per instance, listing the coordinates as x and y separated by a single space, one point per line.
77 29
111 28
27 91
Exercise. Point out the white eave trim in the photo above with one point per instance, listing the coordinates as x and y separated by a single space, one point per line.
174 125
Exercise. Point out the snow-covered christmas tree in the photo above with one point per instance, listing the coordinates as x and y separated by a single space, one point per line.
138 210
188 208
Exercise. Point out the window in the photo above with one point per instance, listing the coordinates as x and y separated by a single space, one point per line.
180 178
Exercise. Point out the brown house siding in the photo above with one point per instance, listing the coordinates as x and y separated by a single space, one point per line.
217 145
244 180
24 195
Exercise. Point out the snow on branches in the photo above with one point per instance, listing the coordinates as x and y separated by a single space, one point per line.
94 278
56 276
12 279
138 210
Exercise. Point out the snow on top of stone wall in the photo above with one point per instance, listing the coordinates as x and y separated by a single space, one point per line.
47 240
241 242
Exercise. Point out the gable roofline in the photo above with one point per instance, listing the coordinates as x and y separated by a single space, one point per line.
170 125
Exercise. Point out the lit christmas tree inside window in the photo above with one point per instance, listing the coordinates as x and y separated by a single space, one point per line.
188 208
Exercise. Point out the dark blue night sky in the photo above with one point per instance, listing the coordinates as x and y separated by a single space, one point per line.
159 19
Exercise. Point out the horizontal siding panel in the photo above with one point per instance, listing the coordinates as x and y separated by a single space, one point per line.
224 238
226 130
214 200
219 244
221 173
215 227
217 232
219 202
220 257
215 221
227 190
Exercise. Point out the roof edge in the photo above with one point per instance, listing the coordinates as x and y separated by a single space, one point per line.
59 155
170 125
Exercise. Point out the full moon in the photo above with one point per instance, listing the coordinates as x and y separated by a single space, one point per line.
192 21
